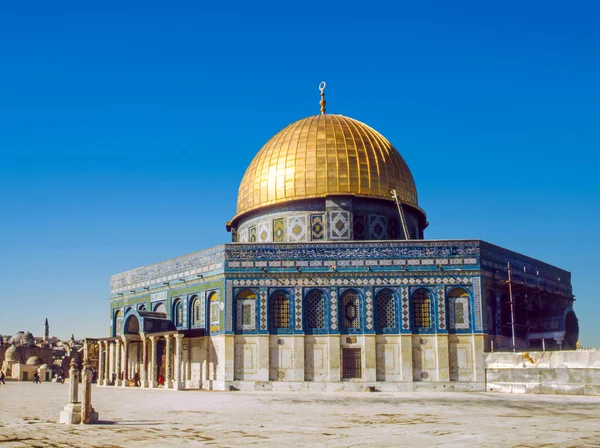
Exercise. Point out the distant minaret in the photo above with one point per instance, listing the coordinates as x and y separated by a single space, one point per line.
46 331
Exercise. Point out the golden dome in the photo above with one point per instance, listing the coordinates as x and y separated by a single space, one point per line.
325 155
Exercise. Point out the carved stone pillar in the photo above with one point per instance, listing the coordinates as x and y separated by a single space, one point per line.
125 364
168 359
144 367
118 362
88 414
100 378
152 368
178 383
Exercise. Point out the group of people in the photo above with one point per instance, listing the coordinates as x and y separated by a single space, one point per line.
135 381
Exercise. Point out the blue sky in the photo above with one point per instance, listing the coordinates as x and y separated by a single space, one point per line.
126 127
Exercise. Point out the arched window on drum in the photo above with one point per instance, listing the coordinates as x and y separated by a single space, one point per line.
458 309
421 301
385 302
314 312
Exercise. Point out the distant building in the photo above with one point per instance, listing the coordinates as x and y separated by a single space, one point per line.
328 284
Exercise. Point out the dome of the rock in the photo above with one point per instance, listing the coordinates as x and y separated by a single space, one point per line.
316 167
325 155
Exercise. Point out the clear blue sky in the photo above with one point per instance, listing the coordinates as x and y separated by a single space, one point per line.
125 129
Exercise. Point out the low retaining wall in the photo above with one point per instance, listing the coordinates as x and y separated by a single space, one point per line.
566 372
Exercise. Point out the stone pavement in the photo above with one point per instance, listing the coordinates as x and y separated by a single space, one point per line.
149 418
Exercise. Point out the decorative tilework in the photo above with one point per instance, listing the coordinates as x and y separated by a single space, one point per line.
317 227
333 307
278 230
297 229
339 225
263 310
252 234
441 309
298 308
377 227
477 303
359 227
264 231
228 305
405 309
369 309
362 281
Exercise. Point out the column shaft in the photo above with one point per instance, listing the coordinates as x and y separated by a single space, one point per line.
168 359
125 366
178 380
118 362
144 367
100 376
152 369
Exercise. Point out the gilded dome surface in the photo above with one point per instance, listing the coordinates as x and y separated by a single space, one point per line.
325 155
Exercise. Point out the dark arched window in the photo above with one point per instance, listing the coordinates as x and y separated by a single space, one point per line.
314 307
421 299
141 307
386 309
280 310
351 310
178 314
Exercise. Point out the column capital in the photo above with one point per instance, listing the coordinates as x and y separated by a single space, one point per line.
178 336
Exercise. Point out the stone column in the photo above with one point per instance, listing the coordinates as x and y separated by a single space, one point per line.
125 365
74 382
107 370
71 414
168 359
118 362
100 378
152 369
144 367
110 351
178 384
88 415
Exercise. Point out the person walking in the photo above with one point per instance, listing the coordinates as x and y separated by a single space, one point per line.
2 376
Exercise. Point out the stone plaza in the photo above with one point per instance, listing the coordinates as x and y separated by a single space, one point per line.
146 418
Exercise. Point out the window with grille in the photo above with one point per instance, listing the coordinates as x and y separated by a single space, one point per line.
351 363
422 308
350 310
178 314
315 310
280 310
195 310
386 309
458 303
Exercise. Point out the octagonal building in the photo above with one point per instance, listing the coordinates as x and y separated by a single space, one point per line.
329 284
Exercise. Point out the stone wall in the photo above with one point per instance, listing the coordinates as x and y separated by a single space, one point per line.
565 372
